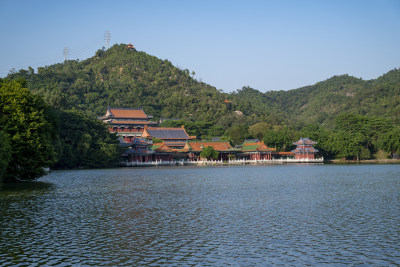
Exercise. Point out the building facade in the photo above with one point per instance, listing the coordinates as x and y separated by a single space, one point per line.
194 148
127 122
257 151
174 138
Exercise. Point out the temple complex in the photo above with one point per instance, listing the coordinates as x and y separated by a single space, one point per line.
127 122
147 143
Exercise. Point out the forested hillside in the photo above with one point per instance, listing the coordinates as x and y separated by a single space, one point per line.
120 77
347 116
323 102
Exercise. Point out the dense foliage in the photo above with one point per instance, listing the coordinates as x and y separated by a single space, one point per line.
26 126
209 153
120 77
35 136
85 143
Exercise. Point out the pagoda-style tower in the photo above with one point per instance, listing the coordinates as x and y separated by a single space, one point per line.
304 149
127 122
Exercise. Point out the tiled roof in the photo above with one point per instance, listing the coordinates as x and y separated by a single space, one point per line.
305 141
131 122
305 150
126 113
176 144
247 147
161 147
197 146
167 133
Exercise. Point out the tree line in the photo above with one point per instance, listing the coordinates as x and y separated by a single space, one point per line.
35 136
351 137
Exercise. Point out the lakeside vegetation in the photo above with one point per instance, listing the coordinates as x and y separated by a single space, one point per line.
34 136
49 118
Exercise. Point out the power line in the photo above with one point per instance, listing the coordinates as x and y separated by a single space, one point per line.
66 53
107 38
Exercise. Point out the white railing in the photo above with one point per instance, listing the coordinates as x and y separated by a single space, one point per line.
219 162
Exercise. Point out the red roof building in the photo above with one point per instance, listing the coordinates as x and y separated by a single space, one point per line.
174 138
127 122
194 148
257 150
305 149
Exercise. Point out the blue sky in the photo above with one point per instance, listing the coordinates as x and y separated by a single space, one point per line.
267 45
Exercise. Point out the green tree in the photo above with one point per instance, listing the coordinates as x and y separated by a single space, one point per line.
347 145
157 140
390 141
259 130
25 118
209 153
86 143
281 139
238 133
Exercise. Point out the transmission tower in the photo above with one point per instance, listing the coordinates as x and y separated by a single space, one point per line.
107 38
66 53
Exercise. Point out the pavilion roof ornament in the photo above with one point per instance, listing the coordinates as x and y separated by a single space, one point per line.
304 141
305 145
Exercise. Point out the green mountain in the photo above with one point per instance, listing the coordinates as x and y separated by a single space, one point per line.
322 102
122 77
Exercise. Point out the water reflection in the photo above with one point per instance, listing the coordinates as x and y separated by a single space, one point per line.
25 187
259 215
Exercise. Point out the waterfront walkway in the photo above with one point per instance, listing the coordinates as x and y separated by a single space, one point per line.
219 162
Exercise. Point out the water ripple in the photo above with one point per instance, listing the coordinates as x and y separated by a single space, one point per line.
241 216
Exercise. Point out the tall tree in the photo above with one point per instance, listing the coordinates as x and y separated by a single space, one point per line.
347 145
281 139
390 141
209 153
238 133
86 143
25 118
259 130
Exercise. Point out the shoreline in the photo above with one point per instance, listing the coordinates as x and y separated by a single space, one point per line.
255 162
219 163
363 161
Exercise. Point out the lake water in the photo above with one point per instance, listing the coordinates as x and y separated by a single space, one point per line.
240 215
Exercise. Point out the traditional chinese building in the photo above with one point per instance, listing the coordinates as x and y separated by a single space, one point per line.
131 47
194 148
163 152
139 151
127 122
257 150
174 138
305 149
